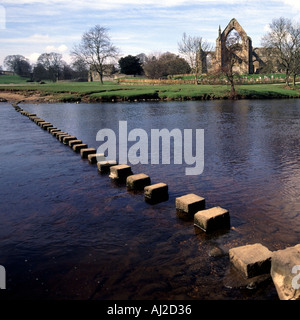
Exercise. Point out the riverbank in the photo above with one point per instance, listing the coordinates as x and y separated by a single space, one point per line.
112 92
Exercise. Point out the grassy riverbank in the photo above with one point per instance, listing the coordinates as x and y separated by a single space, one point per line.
110 91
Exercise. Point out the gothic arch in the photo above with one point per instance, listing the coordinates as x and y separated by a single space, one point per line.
234 25
246 53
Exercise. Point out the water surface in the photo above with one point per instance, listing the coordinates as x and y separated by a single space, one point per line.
68 232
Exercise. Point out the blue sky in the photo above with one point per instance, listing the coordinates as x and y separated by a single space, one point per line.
32 27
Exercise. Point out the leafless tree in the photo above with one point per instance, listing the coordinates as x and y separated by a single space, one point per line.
96 49
53 64
230 67
192 48
284 41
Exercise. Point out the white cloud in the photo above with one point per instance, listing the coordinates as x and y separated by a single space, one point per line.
62 48
33 57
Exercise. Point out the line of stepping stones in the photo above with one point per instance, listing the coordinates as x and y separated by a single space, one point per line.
251 261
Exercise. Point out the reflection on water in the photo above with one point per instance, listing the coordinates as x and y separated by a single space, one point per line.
68 232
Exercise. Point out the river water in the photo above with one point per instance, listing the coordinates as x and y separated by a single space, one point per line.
68 232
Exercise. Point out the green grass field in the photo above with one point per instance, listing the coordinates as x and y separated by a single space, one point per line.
111 91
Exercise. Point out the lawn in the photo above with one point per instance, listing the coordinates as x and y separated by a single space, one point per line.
111 91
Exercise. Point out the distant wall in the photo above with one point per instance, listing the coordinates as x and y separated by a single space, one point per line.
155 81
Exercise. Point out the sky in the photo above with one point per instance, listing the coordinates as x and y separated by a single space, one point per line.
33 27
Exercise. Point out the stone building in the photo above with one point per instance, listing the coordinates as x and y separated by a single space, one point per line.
249 60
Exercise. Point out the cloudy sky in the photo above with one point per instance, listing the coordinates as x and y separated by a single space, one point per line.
32 27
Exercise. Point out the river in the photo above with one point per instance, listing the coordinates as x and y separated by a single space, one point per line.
68 232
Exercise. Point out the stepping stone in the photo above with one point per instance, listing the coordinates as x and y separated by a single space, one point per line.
190 203
120 172
61 136
156 193
55 133
212 219
78 147
84 152
251 260
94 158
42 123
58 134
73 142
37 121
50 129
66 139
138 181
104 166
46 126
32 118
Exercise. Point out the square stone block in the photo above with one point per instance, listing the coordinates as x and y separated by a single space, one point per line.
58 134
104 166
60 137
138 181
120 172
212 219
50 129
190 203
46 126
73 142
78 147
37 121
41 124
66 139
96 157
29 114
86 151
252 260
156 193
55 133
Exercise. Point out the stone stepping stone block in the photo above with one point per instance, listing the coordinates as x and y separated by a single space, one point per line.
120 172
46 126
42 123
55 133
156 193
37 121
50 129
58 134
104 166
60 137
73 142
212 219
285 272
29 114
78 147
190 203
96 157
138 181
251 260
66 139
84 152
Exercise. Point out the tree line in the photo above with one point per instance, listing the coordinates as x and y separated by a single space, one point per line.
96 52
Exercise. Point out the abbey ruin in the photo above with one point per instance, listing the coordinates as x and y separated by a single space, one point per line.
249 60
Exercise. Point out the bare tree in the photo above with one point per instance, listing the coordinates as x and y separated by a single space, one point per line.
53 64
193 49
18 64
96 49
230 67
284 41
